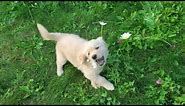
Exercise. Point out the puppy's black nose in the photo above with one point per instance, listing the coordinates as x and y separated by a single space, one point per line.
94 57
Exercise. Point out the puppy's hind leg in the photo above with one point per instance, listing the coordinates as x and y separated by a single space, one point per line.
60 61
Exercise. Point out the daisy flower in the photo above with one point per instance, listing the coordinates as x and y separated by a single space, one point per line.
159 82
125 35
102 23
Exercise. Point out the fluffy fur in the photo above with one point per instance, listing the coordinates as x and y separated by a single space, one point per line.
88 56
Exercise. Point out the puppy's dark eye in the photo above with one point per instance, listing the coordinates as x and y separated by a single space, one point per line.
97 48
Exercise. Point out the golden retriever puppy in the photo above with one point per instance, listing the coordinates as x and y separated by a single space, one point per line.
87 56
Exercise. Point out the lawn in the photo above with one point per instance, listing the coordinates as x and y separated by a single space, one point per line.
146 68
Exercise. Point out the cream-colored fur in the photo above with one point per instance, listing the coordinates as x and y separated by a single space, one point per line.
81 53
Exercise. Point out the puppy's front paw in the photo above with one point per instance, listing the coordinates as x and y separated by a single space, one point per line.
59 73
110 87
96 86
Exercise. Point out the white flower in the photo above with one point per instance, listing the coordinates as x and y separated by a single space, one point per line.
88 60
102 23
125 35
94 64
159 81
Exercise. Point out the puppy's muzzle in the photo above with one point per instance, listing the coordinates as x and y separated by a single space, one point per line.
100 61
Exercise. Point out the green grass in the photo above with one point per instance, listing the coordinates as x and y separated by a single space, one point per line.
154 51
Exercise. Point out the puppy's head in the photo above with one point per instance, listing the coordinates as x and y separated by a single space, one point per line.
96 52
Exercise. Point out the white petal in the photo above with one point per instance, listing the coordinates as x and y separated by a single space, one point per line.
125 35
94 64
88 60
102 23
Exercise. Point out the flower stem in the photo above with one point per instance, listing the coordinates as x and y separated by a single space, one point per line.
101 30
166 42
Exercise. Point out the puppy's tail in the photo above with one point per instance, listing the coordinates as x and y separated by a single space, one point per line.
46 35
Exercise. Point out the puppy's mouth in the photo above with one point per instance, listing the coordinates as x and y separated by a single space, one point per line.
100 61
